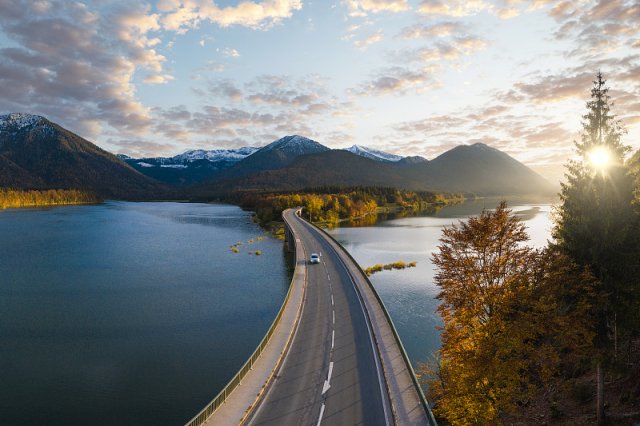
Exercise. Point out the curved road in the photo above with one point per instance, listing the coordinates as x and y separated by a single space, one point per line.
331 374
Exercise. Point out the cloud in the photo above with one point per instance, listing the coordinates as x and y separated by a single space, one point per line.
454 8
396 81
368 41
597 28
442 29
157 79
225 89
363 7
442 50
181 16
229 52
67 64
138 148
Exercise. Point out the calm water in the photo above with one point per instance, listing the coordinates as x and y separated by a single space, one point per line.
409 294
128 313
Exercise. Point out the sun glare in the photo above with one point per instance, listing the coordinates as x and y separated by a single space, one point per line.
599 157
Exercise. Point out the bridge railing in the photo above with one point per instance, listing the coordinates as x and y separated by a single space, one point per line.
208 410
405 357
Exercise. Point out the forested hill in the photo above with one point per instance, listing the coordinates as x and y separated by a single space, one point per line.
38 154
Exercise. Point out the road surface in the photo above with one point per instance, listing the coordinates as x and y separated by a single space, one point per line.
332 373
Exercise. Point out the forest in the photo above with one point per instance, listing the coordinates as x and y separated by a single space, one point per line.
334 204
13 198
552 335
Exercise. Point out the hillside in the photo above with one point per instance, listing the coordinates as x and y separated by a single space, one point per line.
38 154
480 169
276 155
476 169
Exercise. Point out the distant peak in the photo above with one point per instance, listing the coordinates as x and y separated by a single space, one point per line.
296 144
481 145
18 120
373 154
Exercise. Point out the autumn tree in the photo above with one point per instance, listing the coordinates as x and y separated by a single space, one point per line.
596 225
511 316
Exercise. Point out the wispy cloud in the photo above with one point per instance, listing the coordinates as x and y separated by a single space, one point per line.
453 8
364 7
229 52
370 40
442 29
181 16
396 81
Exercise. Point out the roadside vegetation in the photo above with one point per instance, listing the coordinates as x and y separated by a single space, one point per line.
13 198
549 336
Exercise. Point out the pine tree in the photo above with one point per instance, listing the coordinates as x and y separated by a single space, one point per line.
595 223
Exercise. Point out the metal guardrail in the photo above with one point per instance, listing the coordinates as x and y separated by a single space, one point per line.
405 357
208 410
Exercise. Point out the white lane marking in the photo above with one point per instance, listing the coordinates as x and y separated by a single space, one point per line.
325 387
333 338
332 300
328 277
320 417
334 317
330 371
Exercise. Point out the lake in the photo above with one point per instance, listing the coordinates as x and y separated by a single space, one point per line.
139 313
129 313
409 294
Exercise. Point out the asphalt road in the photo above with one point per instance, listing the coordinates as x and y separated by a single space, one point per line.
330 375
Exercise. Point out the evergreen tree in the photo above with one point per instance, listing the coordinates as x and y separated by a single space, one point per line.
595 224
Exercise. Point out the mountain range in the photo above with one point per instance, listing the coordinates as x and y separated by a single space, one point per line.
35 153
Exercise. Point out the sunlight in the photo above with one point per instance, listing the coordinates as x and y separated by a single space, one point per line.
599 158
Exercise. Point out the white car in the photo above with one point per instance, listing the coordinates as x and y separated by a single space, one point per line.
315 258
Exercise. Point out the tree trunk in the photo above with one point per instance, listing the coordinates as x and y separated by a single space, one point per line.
600 393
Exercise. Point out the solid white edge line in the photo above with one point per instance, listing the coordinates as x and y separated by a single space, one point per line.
320 417
376 354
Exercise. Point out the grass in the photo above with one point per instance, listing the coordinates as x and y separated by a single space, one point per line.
379 267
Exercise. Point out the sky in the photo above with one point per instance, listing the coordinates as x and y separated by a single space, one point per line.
411 77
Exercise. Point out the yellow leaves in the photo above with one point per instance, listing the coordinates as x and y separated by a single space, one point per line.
509 318
10 198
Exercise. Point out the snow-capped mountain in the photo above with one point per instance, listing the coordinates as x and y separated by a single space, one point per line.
373 154
18 121
276 155
215 154
295 145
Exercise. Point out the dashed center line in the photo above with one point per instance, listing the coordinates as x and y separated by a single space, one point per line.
333 313
333 338
332 300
